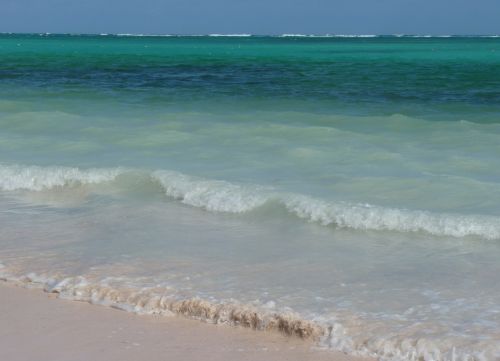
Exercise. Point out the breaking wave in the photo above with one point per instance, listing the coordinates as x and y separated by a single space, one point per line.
330 334
222 196
34 178
165 301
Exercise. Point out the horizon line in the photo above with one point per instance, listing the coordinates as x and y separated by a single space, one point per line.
291 35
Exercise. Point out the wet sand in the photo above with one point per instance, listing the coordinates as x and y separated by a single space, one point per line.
36 326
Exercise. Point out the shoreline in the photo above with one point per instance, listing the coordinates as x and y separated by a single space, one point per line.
39 325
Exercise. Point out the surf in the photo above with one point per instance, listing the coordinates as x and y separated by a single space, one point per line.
222 196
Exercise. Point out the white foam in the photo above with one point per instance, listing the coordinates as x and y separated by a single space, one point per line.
344 335
34 178
165 301
223 196
142 35
356 36
212 195
369 217
294 35
230 35
328 35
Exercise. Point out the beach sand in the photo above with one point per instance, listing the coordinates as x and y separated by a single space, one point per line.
36 326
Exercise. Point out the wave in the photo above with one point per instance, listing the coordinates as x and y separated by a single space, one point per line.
139 35
256 35
230 35
35 178
179 35
328 36
212 195
369 217
329 334
383 36
164 301
222 196
301 36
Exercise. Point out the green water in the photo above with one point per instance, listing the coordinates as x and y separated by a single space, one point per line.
355 181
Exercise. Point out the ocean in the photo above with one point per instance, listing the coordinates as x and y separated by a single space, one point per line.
344 189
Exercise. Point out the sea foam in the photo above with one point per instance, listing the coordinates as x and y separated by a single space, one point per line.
34 178
212 195
329 333
222 196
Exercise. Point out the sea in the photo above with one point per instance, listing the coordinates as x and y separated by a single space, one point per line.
344 189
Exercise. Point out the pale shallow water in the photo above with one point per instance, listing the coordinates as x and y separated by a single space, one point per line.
313 186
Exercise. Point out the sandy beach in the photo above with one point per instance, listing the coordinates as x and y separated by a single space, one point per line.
236 194
38 326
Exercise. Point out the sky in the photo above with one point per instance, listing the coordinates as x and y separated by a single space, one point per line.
437 17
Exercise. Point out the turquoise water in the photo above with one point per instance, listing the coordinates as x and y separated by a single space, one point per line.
349 182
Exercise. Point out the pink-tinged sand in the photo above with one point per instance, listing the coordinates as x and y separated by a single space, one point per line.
36 326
